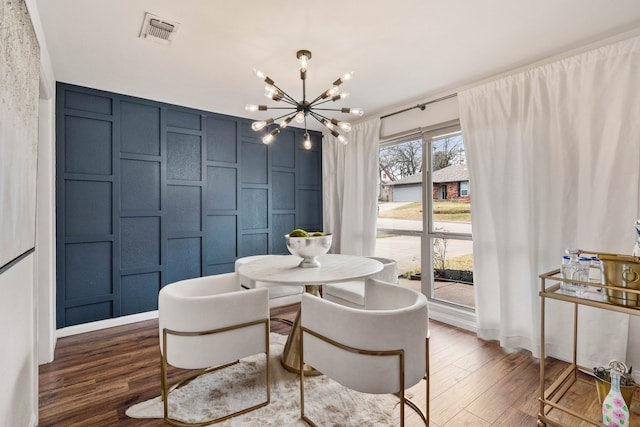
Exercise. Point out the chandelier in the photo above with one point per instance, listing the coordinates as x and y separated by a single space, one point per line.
301 110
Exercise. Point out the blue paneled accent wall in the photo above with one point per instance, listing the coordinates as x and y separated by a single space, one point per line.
151 193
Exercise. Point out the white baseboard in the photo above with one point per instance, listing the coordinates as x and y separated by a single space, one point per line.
459 318
108 323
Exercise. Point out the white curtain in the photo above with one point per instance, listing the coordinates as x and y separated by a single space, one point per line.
350 189
554 161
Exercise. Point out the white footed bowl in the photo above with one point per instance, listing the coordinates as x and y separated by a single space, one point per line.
309 248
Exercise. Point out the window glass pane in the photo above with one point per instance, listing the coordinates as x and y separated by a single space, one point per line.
453 271
400 210
449 240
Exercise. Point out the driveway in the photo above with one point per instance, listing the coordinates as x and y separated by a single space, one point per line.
406 249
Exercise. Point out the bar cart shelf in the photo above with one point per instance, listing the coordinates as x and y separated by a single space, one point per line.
556 408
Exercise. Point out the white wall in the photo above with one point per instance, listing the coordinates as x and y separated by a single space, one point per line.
18 367
28 286
45 234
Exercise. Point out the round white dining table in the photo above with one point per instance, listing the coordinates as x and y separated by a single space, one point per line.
333 268
284 269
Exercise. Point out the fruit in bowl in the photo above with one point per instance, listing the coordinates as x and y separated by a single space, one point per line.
308 246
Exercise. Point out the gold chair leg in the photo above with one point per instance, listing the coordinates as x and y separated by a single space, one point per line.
165 391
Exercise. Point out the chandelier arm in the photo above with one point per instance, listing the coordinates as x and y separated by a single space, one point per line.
315 103
319 116
330 109
286 95
304 90
319 97
279 117
316 115
280 108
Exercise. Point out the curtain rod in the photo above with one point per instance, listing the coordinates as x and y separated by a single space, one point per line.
420 106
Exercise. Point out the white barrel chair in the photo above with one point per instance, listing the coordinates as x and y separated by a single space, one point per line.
393 327
208 323
352 293
279 294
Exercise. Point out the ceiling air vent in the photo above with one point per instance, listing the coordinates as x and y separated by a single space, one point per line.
158 29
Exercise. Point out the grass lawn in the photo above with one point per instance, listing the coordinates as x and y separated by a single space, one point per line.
462 262
442 211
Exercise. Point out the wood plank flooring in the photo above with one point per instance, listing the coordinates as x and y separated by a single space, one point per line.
96 376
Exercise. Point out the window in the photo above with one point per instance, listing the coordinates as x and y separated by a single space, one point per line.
422 224
464 188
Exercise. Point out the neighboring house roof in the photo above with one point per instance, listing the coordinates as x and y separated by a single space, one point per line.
408 180
453 173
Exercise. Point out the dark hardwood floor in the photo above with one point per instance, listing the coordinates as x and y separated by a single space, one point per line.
96 376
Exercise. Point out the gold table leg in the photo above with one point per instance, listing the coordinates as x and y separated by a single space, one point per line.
291 352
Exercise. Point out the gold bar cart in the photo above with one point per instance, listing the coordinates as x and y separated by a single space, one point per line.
554 411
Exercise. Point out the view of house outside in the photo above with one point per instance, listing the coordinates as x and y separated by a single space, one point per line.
400 218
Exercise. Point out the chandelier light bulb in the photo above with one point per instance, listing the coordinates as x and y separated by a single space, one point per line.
300 117
343 140
251 107
270 91
259 74
332 92
345 126
307 141
256 126
303 56
285 122
267 138
328 124
340 96
347 76
356 111
304 62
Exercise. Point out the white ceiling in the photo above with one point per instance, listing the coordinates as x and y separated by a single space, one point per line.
400 51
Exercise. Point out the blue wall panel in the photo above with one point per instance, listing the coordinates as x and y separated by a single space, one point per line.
183 208
140 128
184 157
139 242
282 224
254 208
222 232
151 193
255 244
221 140
284 190
140 293
88 313
254 163
219 181
89 102
88 209
283 152
88 267
183 119
139 185
88 146
183 257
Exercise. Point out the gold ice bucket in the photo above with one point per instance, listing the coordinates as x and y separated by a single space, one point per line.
603 387
622 271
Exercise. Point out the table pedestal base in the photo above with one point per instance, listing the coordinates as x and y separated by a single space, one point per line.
291 352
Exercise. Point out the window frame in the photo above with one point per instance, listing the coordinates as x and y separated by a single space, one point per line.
427 252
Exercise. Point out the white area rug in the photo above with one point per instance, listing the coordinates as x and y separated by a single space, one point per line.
326 402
